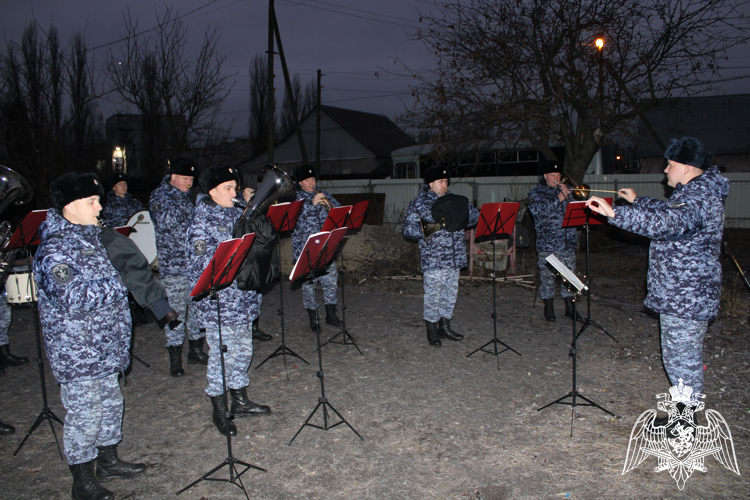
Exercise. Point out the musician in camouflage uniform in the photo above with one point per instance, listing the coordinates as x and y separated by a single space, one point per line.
120 205
547 202
213 222
441 257
684 273
172 213
85 320
310 221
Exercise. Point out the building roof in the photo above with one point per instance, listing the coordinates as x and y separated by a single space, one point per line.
722 123
376 132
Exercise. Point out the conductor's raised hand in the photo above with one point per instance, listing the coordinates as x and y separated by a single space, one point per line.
627 193
600 206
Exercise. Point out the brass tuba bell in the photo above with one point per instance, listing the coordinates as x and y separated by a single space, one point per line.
428 228
16 190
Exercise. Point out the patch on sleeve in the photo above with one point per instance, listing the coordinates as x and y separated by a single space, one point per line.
61 272
199 247
156 206
677 205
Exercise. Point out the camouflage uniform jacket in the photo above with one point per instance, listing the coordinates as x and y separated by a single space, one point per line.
211 225
310 221
117 211
171 213
444 250
684 273
83 303
548 212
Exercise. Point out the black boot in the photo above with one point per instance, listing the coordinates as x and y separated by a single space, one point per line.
433 336
175 360
109 466
195 353
549 309
85 485
444 329
220 416
569 309
257 333
242 406
6 429
331 317
313 319
8 359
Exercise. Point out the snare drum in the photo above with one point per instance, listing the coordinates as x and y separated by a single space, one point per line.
144 236
18 287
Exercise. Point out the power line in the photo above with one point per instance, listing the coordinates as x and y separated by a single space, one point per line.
305 4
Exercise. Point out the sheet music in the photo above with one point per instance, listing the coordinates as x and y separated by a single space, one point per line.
565 272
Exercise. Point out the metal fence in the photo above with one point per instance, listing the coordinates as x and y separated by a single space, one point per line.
399 192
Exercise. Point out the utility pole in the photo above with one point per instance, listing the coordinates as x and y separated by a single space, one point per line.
317 127
290 92
270 100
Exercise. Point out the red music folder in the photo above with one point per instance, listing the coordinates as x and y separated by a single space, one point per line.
222 266
284 216
575 215
357 215
124 230
497 218
318 252
27 232
338 217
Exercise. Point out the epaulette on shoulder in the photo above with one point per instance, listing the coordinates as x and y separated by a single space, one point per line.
679 204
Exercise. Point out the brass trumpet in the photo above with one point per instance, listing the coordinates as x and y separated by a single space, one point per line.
325 203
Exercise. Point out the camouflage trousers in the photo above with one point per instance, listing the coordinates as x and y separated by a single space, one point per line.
178 294
237 358
94 417
682 350
549 277
440 292
329 284
5 318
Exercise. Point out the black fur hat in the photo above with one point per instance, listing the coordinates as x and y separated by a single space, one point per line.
118 177
218 174
689 151
437 172
550 166
74 186
304 172
182 166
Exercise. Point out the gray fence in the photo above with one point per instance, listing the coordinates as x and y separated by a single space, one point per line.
399 192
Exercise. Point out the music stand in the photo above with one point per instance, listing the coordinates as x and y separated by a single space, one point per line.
496 219
318 253
25 236
573 394
576 215
353 217
218 274
284 217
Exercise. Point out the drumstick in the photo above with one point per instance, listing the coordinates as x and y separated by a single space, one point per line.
139 219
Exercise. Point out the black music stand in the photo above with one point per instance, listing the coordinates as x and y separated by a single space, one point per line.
25 236
350 219
574 395
496 219
576 215
284 217
318 253
219 274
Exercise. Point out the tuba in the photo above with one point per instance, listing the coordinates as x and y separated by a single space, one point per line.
15 190
275 184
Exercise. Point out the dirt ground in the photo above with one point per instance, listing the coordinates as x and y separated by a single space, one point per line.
435 424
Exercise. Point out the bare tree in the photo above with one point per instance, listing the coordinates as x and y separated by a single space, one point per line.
515 70
178 98
258 121
305 100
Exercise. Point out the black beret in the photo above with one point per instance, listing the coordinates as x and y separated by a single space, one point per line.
118 177
218 174
550 167
437 172
74 186
689 151
453 209
182 166
304 172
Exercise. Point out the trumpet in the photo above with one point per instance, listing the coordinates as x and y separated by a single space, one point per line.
325 203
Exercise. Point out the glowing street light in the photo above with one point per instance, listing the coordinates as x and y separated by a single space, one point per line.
599 42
